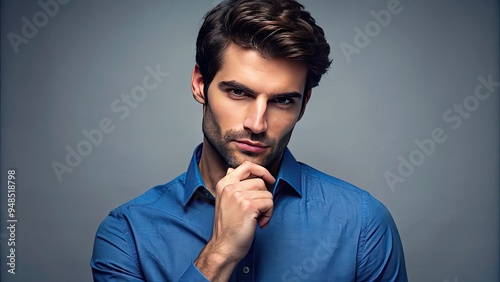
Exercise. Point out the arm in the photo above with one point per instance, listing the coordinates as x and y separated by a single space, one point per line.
380 255
242 202
113 258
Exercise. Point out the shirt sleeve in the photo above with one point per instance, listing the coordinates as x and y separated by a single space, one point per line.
380 255
113 258
193 274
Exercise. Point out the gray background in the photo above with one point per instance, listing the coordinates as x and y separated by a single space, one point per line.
366 113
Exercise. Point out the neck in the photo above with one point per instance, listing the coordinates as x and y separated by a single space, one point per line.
213 168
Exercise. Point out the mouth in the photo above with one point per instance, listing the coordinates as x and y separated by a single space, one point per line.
250 146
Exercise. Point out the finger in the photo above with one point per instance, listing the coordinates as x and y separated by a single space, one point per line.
265 207
249 169
255 195
261 206
229 170
251 184
245 190
254 184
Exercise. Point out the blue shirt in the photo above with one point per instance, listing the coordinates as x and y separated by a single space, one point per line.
322 229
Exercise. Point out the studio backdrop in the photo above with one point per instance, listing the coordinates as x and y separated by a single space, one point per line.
409 112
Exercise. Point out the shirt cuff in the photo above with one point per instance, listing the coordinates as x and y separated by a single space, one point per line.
193 274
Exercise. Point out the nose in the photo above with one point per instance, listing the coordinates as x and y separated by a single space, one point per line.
255 119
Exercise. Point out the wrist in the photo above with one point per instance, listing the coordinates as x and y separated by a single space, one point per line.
215 264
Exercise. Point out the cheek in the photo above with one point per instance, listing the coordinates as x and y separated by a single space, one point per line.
282 124
226 116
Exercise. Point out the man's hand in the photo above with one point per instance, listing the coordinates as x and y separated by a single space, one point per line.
242 201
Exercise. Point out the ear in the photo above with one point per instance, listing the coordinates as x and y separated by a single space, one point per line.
307 96
197 85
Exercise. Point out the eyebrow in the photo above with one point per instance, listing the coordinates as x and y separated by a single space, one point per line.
234 84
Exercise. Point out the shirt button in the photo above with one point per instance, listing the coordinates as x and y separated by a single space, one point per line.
246 269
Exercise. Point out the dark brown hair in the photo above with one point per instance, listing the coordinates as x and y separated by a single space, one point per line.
277 29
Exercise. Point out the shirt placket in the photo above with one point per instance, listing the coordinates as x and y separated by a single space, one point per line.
245 270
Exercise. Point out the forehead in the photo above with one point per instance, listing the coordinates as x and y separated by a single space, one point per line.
261 74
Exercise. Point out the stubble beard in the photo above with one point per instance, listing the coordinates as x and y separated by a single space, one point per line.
220 141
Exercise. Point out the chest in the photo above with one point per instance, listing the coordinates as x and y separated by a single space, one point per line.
305 241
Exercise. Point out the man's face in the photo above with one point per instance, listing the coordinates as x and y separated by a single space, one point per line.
252 106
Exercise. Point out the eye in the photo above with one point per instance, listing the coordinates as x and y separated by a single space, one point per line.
284 100
236 92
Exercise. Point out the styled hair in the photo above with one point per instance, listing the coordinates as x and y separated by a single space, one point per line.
277 29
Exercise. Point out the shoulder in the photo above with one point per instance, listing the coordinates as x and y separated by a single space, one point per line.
340 191
318 180
156 197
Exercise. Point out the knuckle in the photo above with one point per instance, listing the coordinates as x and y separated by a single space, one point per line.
221 188
261 182
246 204
237 195
229 188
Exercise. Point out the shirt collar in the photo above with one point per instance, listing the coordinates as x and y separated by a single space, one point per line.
289 173
193 176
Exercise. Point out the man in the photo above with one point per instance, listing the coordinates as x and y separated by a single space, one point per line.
246 210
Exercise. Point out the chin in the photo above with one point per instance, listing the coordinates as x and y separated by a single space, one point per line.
266 160
236 159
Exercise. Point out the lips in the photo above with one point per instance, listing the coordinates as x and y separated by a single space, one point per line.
250 146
